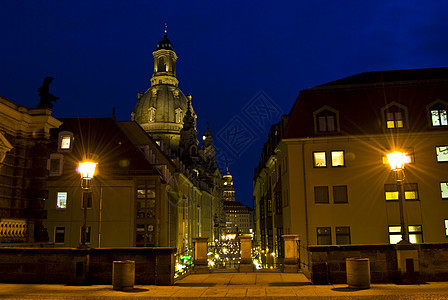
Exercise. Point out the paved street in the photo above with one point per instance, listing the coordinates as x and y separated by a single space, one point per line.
229 286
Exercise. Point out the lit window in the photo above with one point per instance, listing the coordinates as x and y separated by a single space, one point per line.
65 142
391 192
411 191
337 158
321 194
444 190
415 234
394 119
59 235
340 194
61 201
86 198
320 159
324 235
439 117
343 235
394 234
442 153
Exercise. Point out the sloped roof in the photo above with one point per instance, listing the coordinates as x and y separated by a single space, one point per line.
359 100
103 139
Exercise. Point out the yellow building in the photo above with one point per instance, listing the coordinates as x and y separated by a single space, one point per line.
324 175
24 135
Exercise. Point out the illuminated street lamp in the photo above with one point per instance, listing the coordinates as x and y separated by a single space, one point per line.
87 171
397 161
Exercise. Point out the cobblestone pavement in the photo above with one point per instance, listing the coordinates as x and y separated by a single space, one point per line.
229 286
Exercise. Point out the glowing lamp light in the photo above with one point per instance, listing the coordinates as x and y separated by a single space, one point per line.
397 160
87 169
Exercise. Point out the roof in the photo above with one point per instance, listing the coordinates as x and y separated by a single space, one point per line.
235 205
360 101
165 44
103 140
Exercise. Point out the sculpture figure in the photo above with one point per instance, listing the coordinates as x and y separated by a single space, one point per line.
46 98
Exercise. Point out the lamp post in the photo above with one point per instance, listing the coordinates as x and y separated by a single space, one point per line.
397 161
87 171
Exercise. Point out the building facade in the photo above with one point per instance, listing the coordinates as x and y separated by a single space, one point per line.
24 135
330 168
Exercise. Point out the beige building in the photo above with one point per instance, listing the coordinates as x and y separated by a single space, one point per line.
324 173
24 135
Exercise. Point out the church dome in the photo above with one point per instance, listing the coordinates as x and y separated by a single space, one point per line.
165 43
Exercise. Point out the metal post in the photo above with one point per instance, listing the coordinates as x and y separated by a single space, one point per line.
399 176
84 226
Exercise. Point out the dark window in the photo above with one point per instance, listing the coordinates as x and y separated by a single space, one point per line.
324 235
86 198
343 235
340 194
146 200
321 194
59 235
88 229
326 121
54 165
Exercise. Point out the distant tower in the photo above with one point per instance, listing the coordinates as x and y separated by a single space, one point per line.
228 191
161 109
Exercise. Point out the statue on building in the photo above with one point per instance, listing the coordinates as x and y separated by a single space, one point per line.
46 98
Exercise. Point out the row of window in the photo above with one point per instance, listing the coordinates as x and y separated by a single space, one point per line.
324 236
391 193
326 119
337 157
59 235
62 198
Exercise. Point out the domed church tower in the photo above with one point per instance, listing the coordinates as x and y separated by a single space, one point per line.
161 109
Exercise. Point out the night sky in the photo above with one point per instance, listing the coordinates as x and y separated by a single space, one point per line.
235 58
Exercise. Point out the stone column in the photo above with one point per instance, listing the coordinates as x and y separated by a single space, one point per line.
200 255
246 264
291 261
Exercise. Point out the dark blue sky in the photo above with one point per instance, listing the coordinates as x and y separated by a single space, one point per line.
100 55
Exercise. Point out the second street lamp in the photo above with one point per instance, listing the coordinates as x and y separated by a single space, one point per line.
87 171
397 161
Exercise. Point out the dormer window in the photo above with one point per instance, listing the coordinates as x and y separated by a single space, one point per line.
326 120
438 113
65 141
395 115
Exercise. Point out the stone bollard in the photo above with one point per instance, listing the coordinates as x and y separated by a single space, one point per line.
246 264
200 255
358 273
123 275
291 261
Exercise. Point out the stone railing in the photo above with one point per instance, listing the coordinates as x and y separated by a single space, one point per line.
12 230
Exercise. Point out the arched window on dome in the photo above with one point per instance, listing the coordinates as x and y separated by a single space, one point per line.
152 114
179 115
